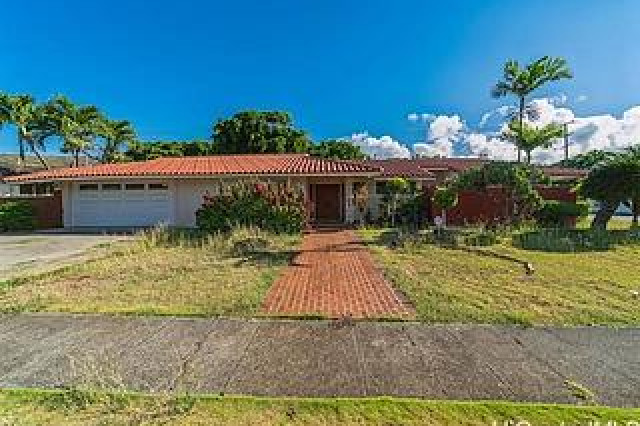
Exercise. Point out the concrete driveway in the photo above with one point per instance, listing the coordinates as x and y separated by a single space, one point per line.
34 252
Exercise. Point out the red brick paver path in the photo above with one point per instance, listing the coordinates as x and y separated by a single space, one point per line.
334 276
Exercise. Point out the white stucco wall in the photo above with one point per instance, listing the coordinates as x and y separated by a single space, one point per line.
188 199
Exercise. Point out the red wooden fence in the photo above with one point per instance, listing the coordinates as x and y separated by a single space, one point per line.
47 208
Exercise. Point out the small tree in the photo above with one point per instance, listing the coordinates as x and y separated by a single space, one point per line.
527 137
522 81
396 187
612 183
445 198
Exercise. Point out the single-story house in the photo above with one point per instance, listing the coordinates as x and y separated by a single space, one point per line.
170 190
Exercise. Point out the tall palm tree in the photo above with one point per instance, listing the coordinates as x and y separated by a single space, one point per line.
31 123
76 125
116 134
521 82
527 137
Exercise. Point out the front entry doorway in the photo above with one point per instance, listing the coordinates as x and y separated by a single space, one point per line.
327 199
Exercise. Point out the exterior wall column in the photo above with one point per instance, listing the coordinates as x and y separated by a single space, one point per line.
67 204
374 205
349 208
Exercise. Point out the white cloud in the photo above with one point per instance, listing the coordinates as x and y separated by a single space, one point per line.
450 136
443 133
581 98
380 148
501 112
420 117
481 145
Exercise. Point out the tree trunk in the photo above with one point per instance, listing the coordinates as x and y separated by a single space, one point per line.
528 157
606 212
77 157
635 211
40 158
21 160
521 123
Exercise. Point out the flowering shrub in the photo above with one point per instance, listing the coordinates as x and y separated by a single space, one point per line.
268 206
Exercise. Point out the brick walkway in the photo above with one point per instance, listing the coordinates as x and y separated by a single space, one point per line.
334 276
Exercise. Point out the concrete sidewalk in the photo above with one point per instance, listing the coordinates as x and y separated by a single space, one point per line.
319 358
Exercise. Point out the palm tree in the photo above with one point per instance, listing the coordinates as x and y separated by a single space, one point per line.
77 126
527 137
521 82
116 134
31 123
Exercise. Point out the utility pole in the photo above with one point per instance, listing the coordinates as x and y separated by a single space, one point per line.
565 126
565 134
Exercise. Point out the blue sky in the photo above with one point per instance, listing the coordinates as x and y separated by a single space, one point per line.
340 67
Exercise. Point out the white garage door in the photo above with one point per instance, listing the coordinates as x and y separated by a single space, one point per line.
121 204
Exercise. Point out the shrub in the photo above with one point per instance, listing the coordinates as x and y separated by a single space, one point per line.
17 216
270 207
445 198
411 211
559 213
575 240
482 239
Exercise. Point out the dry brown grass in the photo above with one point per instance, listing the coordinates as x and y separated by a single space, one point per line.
162 273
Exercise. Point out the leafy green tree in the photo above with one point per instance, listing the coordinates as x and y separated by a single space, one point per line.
445 198
142 151
116 135
614 182
528 137
396 187
31 121
337 150
522 81
249 132
588 160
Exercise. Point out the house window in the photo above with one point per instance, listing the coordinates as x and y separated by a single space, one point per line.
381 187
158 186
111 187
134 187
88 187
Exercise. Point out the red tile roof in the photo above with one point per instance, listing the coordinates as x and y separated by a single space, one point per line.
272 164
250 164
398 167
426 167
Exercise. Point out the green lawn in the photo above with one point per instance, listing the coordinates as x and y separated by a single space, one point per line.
451 285
35 407
161 274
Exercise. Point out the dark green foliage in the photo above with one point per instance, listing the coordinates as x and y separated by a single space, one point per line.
575 240
337 150
587 160
559 213
445 198
255 132
269 207
142 151
411 211
481 239
613 182
17 216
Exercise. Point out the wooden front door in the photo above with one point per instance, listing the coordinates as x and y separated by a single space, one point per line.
328 201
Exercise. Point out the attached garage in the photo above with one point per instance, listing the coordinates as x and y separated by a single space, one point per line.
125 204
